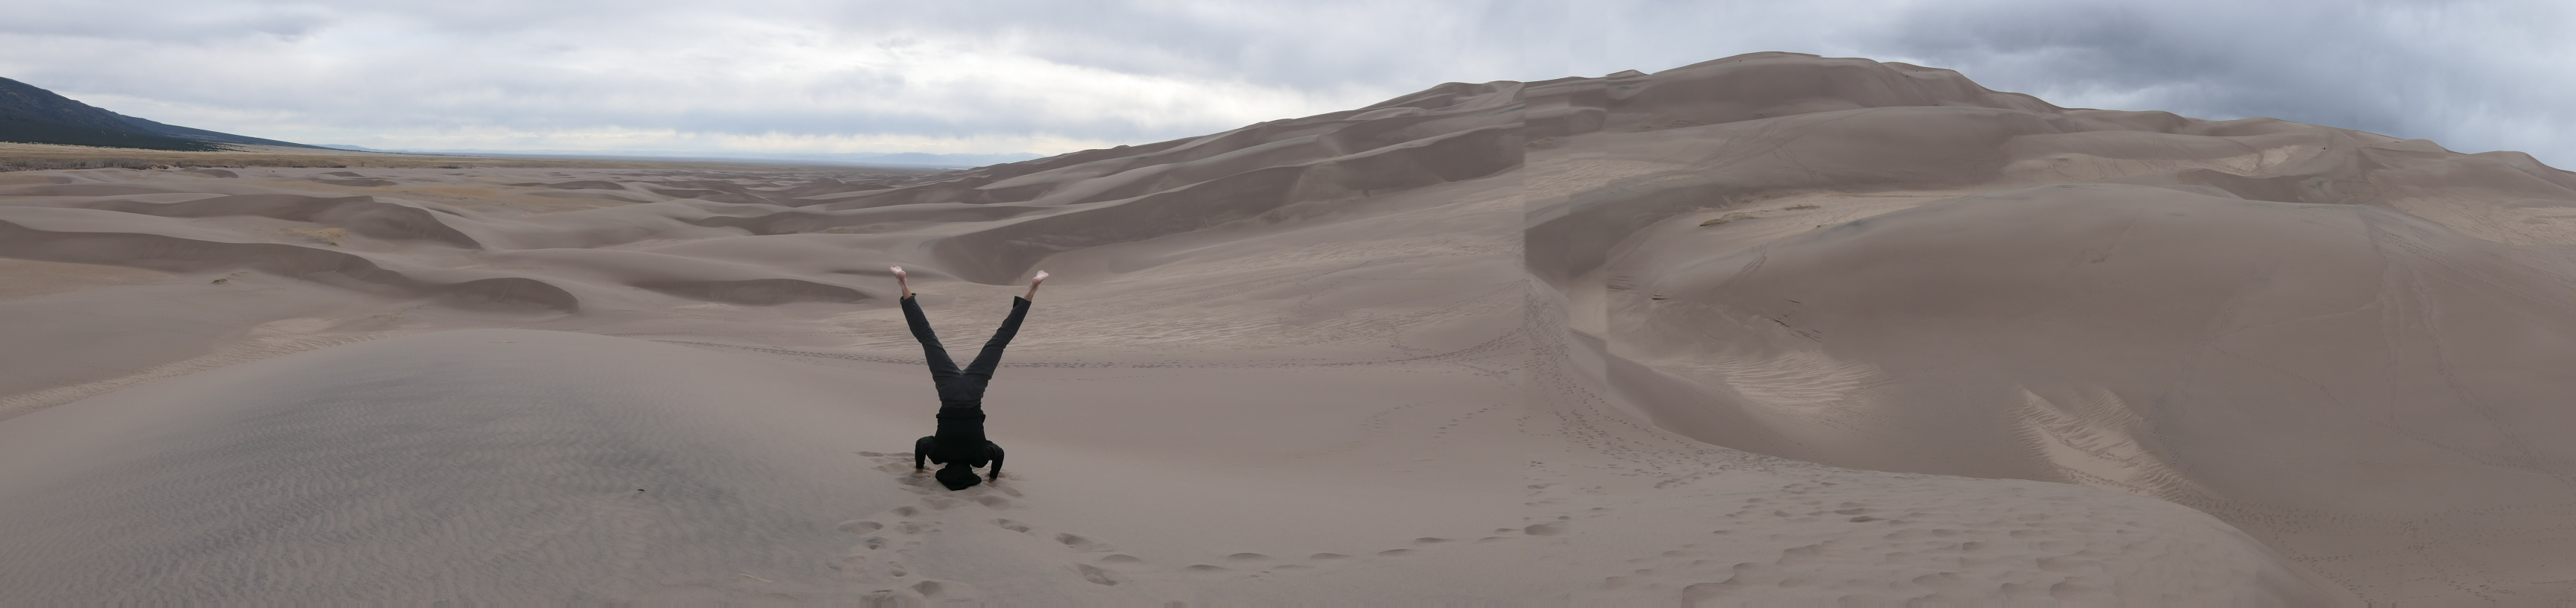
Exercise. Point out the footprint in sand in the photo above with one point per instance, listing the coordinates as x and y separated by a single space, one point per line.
1076 542
1095 575
941 592
880 556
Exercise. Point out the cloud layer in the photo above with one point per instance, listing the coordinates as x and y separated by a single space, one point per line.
1010 76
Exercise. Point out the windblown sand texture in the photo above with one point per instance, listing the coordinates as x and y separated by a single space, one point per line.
1768 330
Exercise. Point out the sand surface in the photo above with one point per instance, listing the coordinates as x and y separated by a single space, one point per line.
1767 330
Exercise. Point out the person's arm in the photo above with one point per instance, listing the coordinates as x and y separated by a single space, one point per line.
997 462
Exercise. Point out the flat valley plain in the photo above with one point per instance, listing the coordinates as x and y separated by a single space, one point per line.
25 156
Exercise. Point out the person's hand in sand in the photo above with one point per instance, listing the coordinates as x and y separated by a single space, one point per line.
899 280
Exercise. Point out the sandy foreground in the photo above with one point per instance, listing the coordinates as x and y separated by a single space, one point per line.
1773 329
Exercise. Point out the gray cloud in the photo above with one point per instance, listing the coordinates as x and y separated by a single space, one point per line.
2474 76
1019 75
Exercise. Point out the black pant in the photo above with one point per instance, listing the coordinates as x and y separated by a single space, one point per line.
960 440
963 387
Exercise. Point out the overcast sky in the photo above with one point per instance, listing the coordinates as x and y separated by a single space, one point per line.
962 76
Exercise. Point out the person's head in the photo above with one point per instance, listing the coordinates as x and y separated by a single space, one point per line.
958 476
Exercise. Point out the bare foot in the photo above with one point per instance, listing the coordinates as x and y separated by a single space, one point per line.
899 280
1033 285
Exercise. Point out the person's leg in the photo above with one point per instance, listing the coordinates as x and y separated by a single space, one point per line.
994 450
942 369
921 449
981 370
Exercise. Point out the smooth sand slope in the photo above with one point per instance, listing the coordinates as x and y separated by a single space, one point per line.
1631 339
2353 347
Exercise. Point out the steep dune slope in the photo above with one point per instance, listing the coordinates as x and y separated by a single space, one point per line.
2291 337
2348 344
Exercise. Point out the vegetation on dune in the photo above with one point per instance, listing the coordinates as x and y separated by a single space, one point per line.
17 130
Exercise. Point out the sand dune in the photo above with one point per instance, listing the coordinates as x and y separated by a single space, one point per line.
2346 344
496 465
1768 329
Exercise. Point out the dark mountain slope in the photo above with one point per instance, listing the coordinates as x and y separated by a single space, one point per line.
33 115
14 129
180 132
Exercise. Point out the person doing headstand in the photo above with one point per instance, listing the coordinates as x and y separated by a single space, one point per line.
959 442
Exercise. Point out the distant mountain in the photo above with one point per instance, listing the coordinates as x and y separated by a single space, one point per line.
202 134
927 160
872 159
32 115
